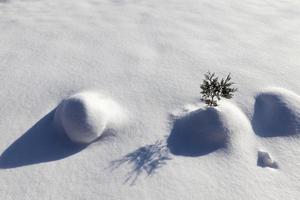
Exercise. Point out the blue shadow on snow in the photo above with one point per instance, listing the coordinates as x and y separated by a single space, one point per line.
41 143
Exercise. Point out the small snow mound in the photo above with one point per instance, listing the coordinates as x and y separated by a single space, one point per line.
197 133
276 113
85 116
264 160
204 130
207 129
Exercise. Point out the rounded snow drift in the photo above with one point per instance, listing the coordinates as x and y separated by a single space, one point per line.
276 113
198 133
85 116
208 129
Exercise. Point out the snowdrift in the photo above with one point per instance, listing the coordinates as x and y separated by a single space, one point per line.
81 118
150 57
85 116
206 129
276 113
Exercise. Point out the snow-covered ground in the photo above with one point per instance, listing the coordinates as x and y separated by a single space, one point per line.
149 57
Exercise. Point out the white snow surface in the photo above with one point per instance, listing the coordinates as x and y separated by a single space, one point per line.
85 116
149 56
276 113
202 130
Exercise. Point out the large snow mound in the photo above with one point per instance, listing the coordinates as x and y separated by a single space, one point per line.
205 130
85 116
276 113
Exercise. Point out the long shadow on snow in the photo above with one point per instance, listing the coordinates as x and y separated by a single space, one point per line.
41 143
146 159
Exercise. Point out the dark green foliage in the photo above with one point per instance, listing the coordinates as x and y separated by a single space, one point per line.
213 90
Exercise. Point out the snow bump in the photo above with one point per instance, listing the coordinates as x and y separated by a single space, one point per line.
276 113
85 116
207 129
197 133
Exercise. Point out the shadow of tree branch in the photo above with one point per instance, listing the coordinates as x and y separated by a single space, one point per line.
147 159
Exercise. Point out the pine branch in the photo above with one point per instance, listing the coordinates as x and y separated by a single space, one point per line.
212 90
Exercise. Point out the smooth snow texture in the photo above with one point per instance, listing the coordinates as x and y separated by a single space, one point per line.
197 133
86 115
207 129
238 125
276 113
149 56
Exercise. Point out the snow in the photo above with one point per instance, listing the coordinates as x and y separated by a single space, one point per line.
264 160
277 113
206 129
148 57
85 116
198 133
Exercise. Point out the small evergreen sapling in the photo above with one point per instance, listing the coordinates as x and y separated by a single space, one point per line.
213 90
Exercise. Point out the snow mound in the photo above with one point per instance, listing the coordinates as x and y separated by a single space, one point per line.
205 130
276 113
85 116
